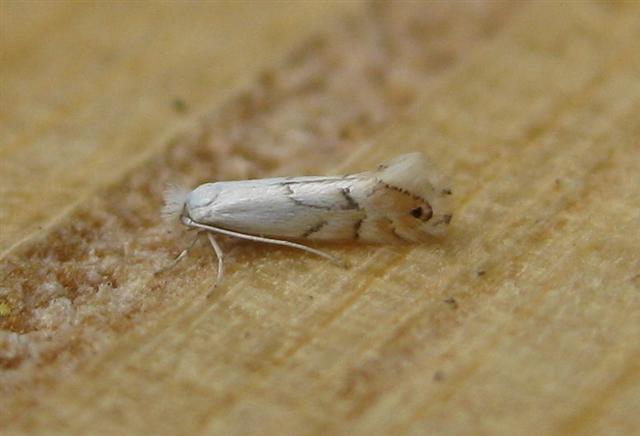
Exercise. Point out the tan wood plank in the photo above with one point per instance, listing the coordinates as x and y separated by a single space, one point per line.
88 87
522 321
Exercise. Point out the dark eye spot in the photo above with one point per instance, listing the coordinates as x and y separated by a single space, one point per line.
416 213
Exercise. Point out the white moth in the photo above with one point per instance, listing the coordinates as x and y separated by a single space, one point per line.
402 201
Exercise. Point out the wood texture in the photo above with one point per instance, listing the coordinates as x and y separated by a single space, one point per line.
524 320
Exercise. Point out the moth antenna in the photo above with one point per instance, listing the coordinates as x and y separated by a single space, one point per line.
174 199
190 223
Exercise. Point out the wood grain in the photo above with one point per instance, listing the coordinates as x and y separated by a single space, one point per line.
73 116
524 320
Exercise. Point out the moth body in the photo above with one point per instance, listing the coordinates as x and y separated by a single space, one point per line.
403 201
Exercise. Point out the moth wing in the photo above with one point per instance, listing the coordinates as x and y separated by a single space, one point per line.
408 202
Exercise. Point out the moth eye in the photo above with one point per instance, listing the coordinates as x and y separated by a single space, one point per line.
416 213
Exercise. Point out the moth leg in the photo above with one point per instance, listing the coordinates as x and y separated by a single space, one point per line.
219 255
179 257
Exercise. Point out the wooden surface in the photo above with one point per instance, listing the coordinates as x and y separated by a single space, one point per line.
524 320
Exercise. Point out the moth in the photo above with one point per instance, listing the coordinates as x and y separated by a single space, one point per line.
403 201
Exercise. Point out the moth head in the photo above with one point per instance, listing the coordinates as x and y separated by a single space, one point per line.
175 199
200 203
196 205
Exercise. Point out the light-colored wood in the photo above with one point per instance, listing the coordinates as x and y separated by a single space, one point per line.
87 88
524 320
